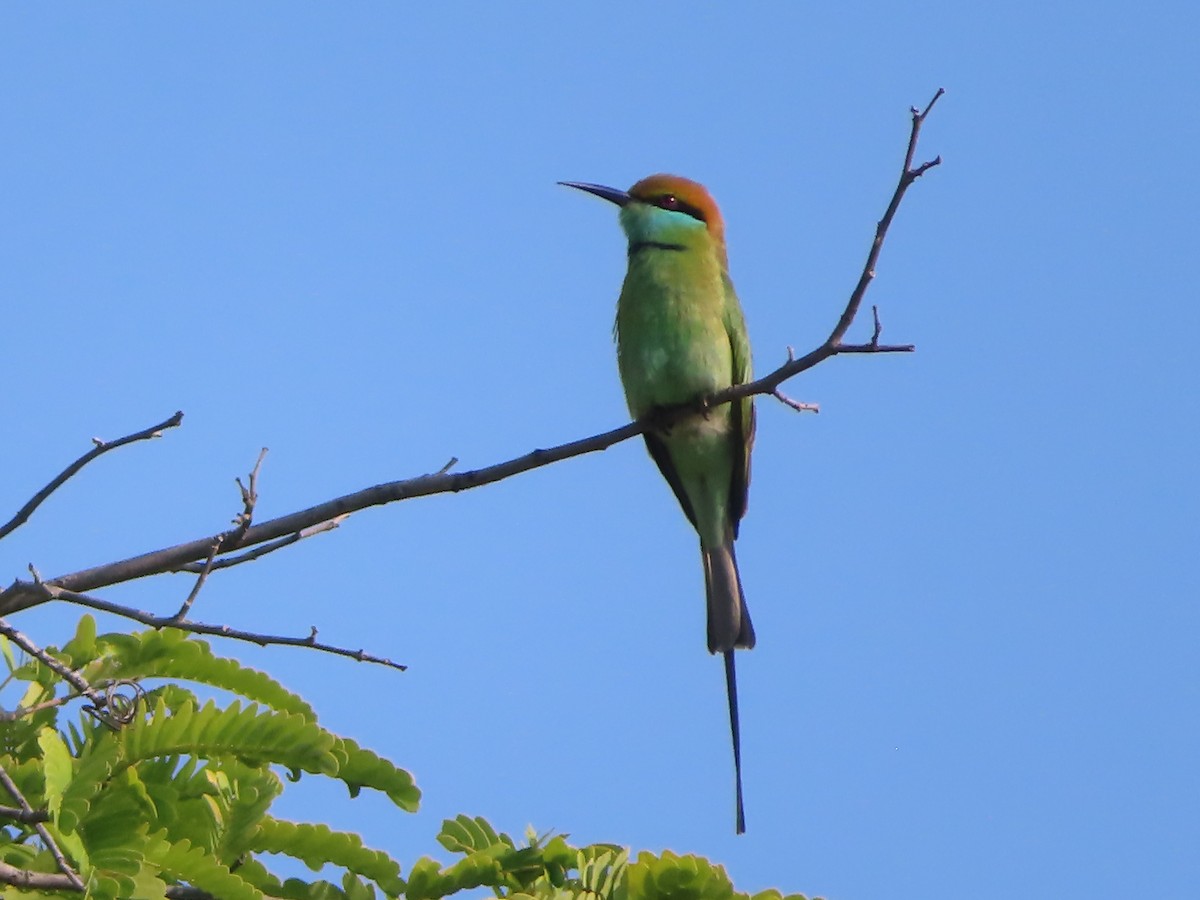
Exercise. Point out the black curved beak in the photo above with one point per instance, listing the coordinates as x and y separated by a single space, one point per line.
612 195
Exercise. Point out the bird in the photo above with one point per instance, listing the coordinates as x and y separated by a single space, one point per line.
681 336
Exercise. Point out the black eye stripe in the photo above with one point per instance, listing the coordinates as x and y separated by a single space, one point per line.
672 202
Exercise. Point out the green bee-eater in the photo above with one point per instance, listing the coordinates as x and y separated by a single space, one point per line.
681 336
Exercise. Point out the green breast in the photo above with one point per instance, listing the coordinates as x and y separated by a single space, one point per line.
672 346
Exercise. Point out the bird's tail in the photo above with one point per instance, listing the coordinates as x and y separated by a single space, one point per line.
729 628
729 625
736 733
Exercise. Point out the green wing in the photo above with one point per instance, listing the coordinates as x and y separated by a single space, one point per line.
743 409
662 458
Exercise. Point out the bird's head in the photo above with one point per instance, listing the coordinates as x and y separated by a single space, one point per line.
662 208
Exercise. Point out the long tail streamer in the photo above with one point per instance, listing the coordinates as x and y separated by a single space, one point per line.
736 733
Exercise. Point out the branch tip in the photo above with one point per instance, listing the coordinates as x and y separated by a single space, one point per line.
99 448
55 592
795 404
936 97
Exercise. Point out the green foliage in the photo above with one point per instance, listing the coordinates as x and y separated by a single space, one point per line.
180 795
359 768
547 868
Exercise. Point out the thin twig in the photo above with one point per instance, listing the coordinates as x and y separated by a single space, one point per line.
22 712
65 672
263 549
795 404
54 592
874 348
61 860
100 448
195 591
907 176
249 499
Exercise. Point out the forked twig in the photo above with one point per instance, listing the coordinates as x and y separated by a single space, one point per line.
195 591
907 176
263 549
100 448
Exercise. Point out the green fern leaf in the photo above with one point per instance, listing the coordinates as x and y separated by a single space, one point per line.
464 834
6 650
172 653
601 871
92 770
672 877
56 768
425 881
287 740
82 647
318 845
192 865
249 794
299 889
363 768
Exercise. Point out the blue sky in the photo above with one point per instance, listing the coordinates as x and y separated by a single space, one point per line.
335 232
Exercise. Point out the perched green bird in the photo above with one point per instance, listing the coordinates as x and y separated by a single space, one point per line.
681 336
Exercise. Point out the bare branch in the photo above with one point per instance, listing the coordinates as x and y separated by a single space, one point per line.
22 712
38 881
795 404
249 494
279 532
21 594
110 706
68 675
100 448
907 176
25 817
191 597
875 348
264 549
73 879
53 592
241 522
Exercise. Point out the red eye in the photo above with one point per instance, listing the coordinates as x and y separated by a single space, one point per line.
673 203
